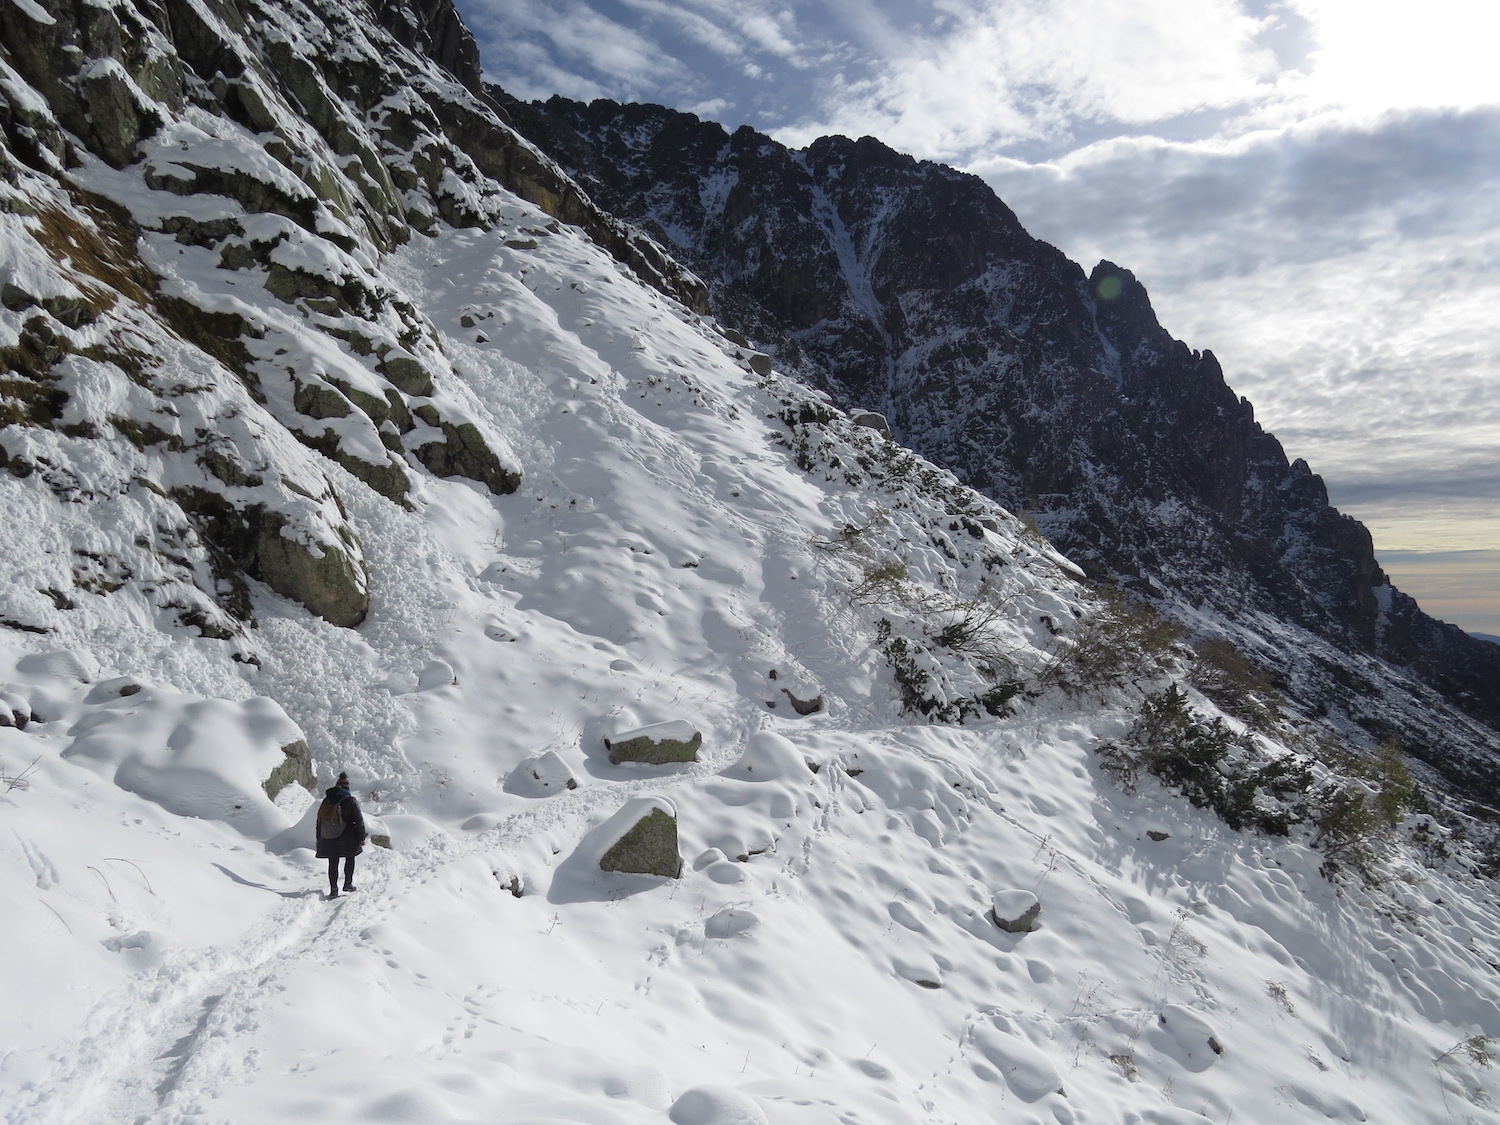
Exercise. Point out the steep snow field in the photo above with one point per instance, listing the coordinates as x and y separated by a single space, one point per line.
828 955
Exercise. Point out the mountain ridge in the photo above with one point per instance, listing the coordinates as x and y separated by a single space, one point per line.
910 288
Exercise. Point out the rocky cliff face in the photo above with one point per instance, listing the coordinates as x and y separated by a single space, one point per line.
909 288
196 196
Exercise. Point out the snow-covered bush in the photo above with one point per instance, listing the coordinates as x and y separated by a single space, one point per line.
956 649
927 688
1353 804
1355 815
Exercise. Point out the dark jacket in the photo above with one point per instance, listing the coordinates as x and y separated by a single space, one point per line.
352 839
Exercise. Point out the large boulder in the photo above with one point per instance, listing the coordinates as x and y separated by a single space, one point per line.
463 452
326 579
647 839
768 757
656 745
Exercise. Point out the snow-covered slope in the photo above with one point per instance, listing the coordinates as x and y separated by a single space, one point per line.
662 531
910 288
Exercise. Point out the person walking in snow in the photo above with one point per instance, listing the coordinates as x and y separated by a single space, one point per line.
341 833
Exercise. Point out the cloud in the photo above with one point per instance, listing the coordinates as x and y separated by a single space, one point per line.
1382 54
1344 272
668 51
1454 586
1320 188
997 73
937 78
697 28
570 48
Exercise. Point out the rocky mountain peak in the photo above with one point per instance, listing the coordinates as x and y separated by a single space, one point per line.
433 29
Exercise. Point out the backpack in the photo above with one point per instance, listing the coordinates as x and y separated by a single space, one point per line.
331 823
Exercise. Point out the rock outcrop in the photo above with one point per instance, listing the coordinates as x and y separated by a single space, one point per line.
297 769
1015 912
155 158
205 154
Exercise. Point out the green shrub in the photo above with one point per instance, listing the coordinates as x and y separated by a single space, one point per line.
924 694
881 582
1353 811
1227 676
1479 1049
1208 763
1122 639
1354 818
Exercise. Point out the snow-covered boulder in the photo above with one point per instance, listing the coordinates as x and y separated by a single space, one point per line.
716 1105
658 744
542 776
730 922
1027 1069
1188 1037
14 711
1015 912
641 839
436 674
61 664
811 704
196 757
768 757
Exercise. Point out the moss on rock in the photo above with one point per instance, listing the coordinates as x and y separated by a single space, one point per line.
249 541
318 400
407 374
655 746
330 583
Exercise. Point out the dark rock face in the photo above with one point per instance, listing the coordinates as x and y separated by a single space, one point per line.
432 28
909 288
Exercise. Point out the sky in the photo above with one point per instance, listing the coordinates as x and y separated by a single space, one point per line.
1308 188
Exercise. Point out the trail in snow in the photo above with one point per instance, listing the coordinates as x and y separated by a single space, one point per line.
167 1043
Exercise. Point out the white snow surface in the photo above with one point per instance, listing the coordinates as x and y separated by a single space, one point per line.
826 958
